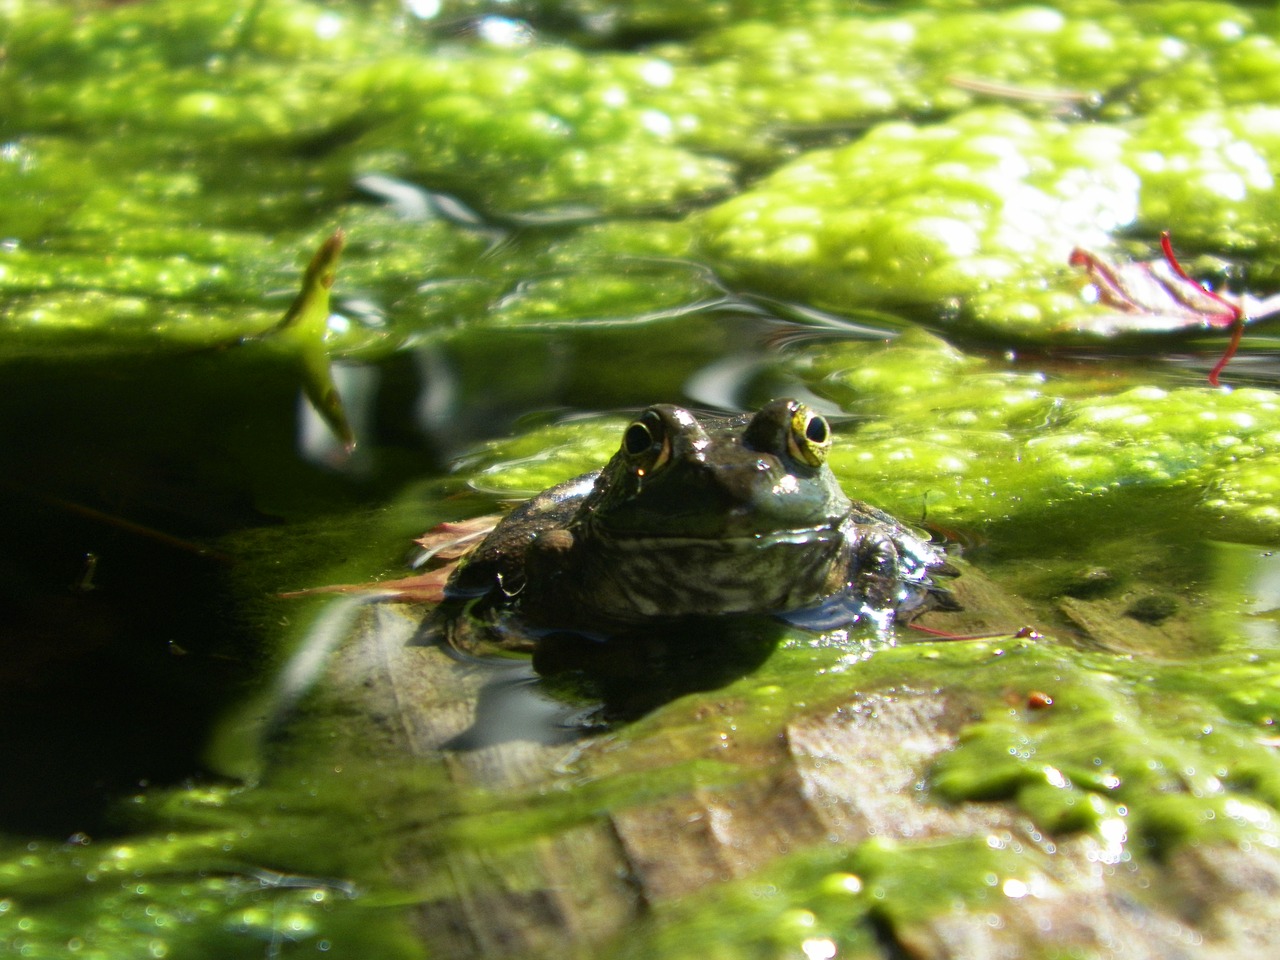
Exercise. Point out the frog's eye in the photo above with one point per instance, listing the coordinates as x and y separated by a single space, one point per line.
647 442
810 436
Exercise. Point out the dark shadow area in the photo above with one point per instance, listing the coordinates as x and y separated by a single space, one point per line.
634 673
120 639
578 685
116 652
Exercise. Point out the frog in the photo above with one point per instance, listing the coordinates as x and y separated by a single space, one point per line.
695 516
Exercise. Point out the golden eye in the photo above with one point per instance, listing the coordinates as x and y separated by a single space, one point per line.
810 436
647 443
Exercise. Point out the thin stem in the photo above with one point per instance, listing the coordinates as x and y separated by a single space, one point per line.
1234 312
1237 332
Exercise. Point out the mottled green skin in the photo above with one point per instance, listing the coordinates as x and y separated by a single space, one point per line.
732 521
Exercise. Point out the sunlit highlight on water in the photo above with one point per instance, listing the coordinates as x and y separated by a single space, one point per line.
819 948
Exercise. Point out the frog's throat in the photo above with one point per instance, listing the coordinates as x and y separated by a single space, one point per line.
793 535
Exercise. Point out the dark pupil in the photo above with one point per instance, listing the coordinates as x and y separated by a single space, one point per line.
816 430
637 439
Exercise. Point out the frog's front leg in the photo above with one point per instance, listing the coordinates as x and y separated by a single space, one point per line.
877 571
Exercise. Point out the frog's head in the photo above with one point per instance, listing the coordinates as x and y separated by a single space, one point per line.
748 477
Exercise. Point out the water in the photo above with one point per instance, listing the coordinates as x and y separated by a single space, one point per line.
557 217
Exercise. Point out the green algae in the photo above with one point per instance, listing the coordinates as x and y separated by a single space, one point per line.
299 100
1109 747
191 893
983 440
167 170
1208 175
207 67
556 129
825 903
543 458
1141 773
981 228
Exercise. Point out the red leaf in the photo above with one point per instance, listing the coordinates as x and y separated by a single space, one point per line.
420 588
1160 296
448 542
451 540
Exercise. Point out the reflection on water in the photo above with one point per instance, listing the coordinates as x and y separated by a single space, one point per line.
1247 587
633 673
577 685
513 705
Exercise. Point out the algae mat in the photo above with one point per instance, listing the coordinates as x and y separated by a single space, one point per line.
556 213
